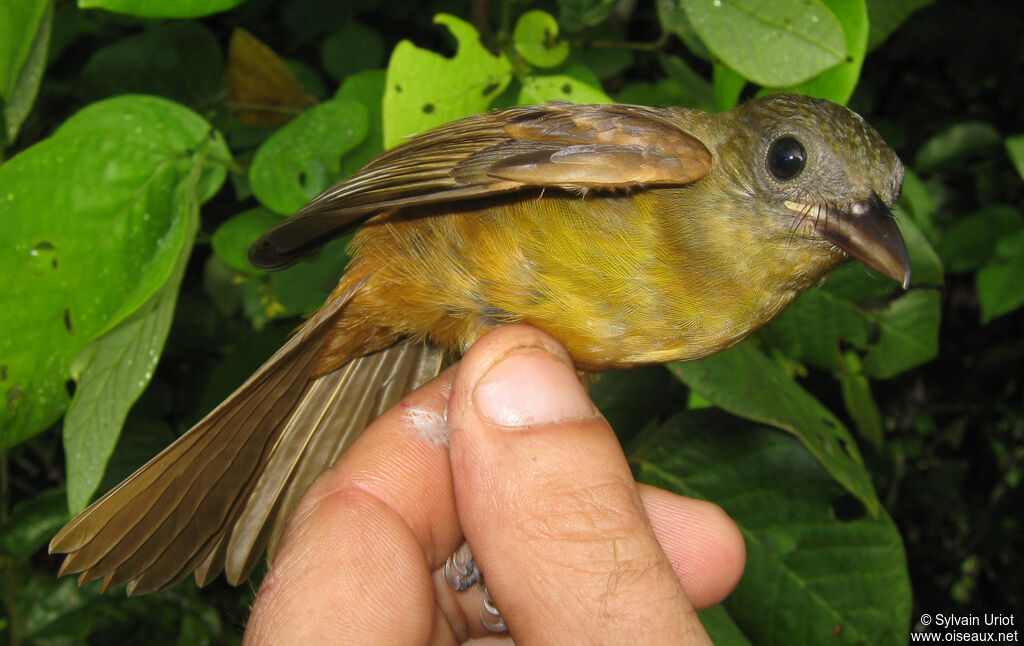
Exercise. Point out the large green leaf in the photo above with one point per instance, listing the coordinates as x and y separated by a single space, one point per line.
816 573
303 158
776 44
32 524
837 83
886 15
999 283
366 87
114 369
541 88
24 44
745 382
907 334
92 221
822 326
351 48
970 241
178 60
162 8
953 146
425 89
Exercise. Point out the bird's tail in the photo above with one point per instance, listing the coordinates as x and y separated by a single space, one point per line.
216 498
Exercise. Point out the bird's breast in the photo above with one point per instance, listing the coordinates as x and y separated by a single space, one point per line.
604 275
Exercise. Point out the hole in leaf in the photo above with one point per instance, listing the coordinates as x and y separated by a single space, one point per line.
302 178
43 257
566 89
398 88
847 508
70 386
489 88
67 320
13 396
428 108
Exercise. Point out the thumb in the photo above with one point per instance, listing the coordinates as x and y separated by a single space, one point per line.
548 504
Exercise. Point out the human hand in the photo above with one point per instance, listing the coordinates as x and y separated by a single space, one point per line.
573 550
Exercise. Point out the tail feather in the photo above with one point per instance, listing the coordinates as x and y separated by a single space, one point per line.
215 498
333 411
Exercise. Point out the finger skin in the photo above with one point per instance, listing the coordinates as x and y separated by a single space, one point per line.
356 561
704 545
549 506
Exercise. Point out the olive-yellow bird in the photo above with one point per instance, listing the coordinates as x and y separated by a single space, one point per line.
632 235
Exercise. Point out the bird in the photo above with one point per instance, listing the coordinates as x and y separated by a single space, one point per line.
632 234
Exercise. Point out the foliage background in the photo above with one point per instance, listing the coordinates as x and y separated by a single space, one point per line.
127 301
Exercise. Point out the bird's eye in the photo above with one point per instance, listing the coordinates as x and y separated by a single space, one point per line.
786 158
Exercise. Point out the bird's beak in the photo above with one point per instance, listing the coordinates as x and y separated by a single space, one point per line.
867 231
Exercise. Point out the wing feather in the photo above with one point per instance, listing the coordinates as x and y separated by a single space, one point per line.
558 145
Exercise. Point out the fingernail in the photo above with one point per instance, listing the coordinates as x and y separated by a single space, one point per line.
530 386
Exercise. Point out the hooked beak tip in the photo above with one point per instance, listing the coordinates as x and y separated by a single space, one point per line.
868 232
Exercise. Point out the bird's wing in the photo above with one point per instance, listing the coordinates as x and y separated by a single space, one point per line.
558 145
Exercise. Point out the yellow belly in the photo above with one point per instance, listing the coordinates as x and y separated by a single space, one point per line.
616 279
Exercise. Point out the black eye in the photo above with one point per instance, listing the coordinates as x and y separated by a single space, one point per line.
786 158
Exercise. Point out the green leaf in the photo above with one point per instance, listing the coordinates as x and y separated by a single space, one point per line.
269 296
745 382
970 241
87 251
180 61
885 16
999 283
777 44
697 92
366 87
559 87
604 62
577 14
32 523
24 43
823 324
837 83
925 265
859 401
299 289
728 85
162 8
907 333
811 577
351 48
114 369
231 240
425 89
816 328
630 399
956 145
1015 149
303 158
919 203
722 630
674 20
535 38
